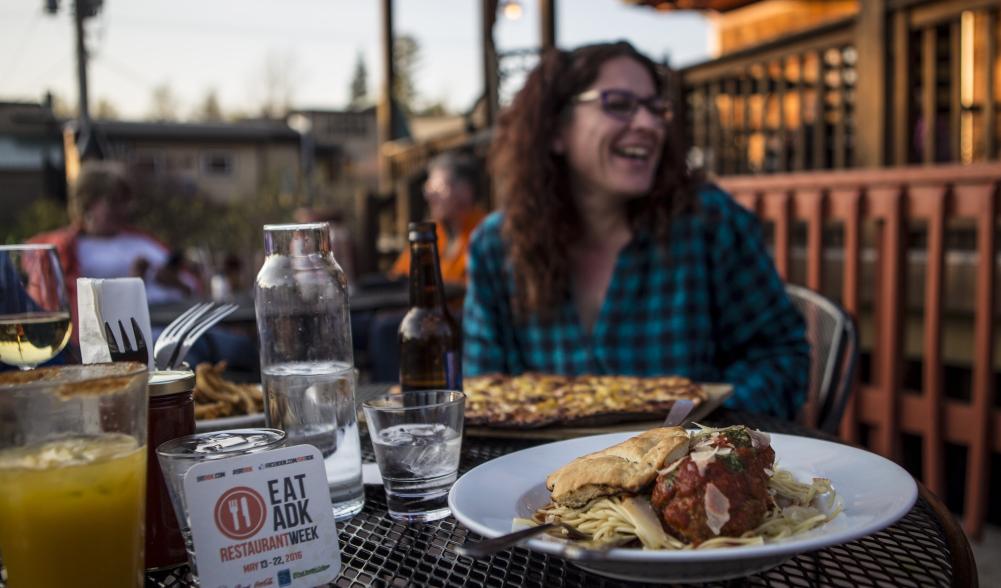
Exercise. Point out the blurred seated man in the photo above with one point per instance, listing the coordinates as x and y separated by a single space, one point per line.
98 243
228 285
450 191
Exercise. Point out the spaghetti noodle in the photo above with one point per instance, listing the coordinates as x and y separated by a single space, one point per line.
627 519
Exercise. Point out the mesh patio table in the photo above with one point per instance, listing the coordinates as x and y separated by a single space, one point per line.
925 548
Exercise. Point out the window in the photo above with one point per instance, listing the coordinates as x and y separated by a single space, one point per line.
217 164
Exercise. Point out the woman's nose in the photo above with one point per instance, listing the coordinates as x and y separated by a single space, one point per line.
643 118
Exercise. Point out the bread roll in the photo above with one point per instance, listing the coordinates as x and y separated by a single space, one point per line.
626 467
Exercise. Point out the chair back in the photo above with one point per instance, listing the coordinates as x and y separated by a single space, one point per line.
834 352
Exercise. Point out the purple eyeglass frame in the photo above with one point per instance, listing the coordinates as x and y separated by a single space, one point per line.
666 114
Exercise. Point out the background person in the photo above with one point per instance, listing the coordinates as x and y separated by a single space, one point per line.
453 182
609 258
450 191
99 243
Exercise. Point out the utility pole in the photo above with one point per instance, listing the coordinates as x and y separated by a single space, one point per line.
491 82
88 146
80 10
385 113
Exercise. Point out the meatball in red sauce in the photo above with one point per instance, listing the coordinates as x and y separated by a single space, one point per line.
720 488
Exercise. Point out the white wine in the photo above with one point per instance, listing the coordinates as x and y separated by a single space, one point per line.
31 338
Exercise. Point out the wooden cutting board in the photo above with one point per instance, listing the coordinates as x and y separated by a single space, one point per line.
716 393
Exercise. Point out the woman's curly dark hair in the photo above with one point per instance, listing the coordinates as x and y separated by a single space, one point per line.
533 183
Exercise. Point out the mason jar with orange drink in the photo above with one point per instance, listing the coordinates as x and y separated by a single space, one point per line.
73 475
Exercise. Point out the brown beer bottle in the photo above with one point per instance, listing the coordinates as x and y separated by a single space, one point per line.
430 348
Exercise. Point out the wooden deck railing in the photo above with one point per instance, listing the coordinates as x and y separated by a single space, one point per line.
901 82
891 204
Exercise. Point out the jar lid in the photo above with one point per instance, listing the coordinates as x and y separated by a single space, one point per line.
222 444
171 382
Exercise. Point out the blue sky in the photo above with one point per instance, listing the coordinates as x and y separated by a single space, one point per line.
197 45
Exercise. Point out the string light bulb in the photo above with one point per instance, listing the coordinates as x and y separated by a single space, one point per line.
512 9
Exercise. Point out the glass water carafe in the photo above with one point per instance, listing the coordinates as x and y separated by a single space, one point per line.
307 362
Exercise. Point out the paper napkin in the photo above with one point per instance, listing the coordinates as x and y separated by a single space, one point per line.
112 300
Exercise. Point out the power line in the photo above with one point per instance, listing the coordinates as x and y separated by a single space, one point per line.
125 72
44 73
19 47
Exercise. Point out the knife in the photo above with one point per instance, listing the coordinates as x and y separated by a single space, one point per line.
245 511
679 412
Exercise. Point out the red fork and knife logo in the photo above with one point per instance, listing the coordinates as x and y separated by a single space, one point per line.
240 513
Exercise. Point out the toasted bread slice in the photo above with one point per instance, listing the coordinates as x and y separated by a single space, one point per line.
626 467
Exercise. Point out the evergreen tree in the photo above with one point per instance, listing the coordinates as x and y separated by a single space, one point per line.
163 104
209 110
407 61
359 83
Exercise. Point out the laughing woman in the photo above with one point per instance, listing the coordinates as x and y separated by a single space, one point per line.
607 257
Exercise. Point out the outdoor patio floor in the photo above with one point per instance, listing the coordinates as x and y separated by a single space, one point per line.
986 552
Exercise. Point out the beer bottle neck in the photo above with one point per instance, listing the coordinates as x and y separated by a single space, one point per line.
426 289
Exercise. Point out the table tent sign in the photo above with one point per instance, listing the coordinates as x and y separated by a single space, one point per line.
263 519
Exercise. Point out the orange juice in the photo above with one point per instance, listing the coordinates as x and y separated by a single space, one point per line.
71 513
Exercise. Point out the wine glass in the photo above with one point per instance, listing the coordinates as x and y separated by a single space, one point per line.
34 312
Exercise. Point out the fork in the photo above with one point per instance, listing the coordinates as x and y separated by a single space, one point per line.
233 509
489 546
167 343
198 330
125 352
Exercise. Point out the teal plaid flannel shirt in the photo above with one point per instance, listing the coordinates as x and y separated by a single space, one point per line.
709 305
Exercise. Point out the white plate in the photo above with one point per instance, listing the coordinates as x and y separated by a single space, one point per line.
874 493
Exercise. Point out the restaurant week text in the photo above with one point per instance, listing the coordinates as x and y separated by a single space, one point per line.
289 514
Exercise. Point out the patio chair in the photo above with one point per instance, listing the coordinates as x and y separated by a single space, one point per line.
834 353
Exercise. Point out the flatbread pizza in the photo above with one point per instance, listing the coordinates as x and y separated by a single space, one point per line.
536 400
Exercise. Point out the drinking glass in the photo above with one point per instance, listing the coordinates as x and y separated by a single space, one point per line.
417 436
73 475
177 456
307 361
34 312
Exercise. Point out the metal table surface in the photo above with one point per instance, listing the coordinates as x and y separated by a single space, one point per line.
925 548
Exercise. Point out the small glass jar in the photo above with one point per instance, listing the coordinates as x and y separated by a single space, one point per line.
180 455
171 415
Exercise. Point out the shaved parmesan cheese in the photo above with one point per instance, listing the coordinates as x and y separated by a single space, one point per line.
717 508
759 439
674 465
648 529
702 458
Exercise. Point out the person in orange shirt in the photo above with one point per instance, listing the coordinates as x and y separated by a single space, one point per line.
450 191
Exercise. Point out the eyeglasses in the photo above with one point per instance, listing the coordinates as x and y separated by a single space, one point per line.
623 104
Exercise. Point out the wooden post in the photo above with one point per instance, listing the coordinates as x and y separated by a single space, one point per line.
820 115
929 85
800 156
715 146
547 23
901 138
870 108
934 198
890 317
384 112
491 82
780 98
955 93
988 33
979 458
851 293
